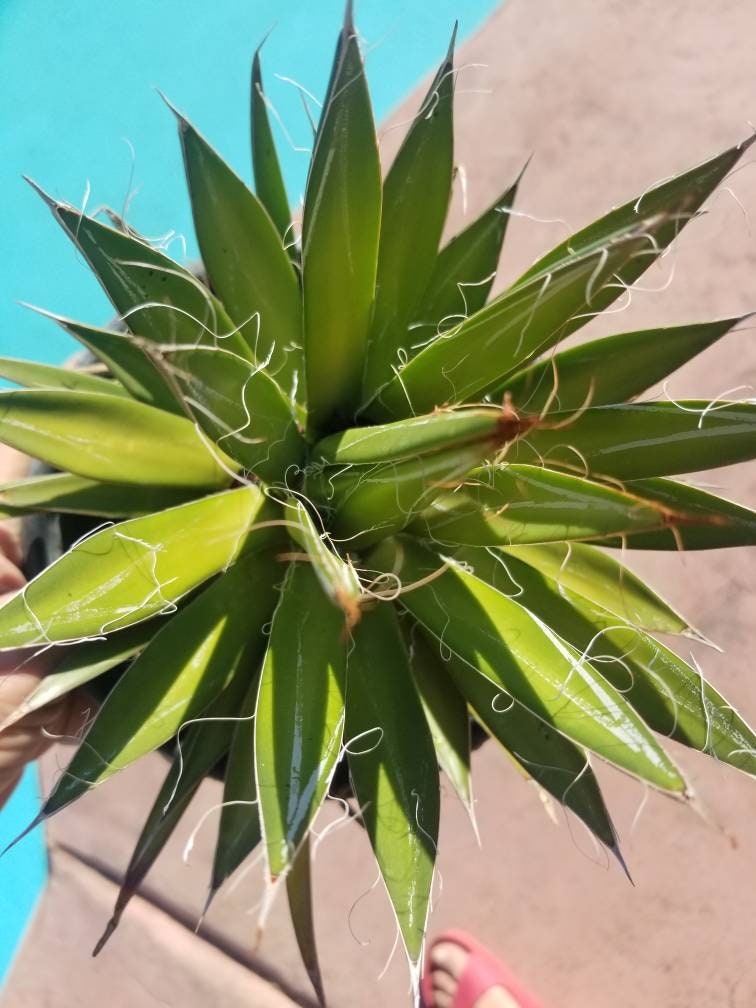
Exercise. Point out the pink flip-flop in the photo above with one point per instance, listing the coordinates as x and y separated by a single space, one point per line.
482 972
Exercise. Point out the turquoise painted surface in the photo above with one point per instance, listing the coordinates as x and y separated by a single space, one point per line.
77 80
23 869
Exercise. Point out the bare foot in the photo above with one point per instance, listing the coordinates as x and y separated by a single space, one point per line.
447 963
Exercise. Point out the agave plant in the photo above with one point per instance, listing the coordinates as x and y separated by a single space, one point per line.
349 504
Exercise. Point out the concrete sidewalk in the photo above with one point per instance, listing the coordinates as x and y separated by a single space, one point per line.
610 97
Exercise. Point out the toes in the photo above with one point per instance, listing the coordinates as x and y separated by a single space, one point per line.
449 958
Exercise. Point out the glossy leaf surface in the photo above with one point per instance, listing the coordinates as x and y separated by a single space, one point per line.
188 663
110 439
300 714
393 768
126 573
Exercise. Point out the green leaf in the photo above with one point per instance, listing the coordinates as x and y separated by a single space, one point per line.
155 296
367 503
188 663
239 828
342 212
269 183
421 435
600 578
126 573
504 505
416 195
446 713
246 263
591 374
526 660
239 406
678 199
393 767
552 761
111 439
81 665
126 359
722 523
299 894
202 747
525 320
77 495
44 376
464 272
337 578
300 714
672 697
645 439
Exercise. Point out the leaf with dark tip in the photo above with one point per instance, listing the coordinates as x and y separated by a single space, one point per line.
670 695
111 439
299 895
416 195
592 375
518 504
246 263
526 319
341 220
71 494
300 714
126 573
526 660
392 763
186 666
201 748
639 440
678 199
464 272
45 376
155 296
722 523
547 757
269 183
239 828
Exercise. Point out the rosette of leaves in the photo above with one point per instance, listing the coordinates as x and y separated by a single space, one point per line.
349 503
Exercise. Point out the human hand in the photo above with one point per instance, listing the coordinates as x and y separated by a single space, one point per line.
20 673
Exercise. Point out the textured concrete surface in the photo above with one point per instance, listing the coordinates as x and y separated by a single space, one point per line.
609 97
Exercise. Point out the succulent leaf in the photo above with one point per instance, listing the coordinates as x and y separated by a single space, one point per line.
269 183
246 263
299 720
416 195
392 763
71 494
44 376
128 572
342 213
187 665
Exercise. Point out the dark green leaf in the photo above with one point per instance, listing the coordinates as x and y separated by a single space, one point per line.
299 894
188 663
638 440
269 183
342 212
393 767
610 370
415 200
300 714
246 262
